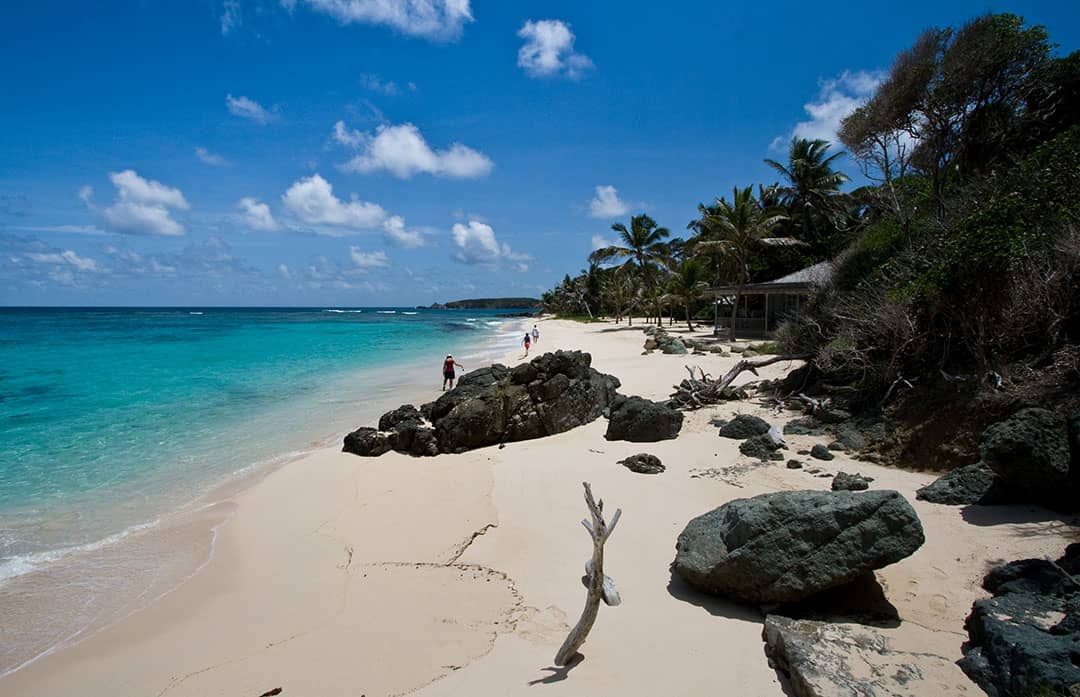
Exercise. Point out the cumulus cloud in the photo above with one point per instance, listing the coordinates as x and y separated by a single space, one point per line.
402 151
67 257
143 206
284 272
256 215
837 98
607 204
549 50
210 158
477 244
395 231
312 200
247 108
438 20
368 260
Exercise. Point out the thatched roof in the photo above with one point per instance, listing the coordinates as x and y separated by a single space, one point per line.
800 281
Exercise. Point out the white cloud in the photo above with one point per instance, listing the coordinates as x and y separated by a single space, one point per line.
86 195
143 206
373 83
599 242
248 109
395 231
549 50
431 19
402 151
210 158
257 216
231 16
63 229
368 260
67 257
607 204
477 245
312 200
284 272
837 98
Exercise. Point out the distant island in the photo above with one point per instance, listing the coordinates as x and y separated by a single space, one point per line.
489 304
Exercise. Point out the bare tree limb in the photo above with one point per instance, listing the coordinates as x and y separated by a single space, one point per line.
600 587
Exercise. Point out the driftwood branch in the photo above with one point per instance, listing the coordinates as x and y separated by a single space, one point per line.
695 393
600 587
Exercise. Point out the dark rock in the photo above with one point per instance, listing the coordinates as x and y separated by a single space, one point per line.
848 435
794 464
368 442
971 484
676 347
493 405
406 412
836 445
805 426
640 420
643 463
1030 451
803 451
786 546
830 415
1017 645
850 482
744 426
820 452
828 659
761 447
1072 424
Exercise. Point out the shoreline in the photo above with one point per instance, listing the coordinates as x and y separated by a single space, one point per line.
336 574
177 543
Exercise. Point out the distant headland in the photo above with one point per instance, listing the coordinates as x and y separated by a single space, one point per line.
489 304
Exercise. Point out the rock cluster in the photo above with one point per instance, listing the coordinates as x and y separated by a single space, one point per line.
786 546
551 394
657 339
1031 457
1025 640
850 482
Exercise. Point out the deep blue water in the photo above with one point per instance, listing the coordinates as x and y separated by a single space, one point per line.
110 414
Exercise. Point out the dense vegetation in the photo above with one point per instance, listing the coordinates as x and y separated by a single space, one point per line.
490 304
956 264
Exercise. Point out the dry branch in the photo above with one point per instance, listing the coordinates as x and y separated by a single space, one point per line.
694 393
600 587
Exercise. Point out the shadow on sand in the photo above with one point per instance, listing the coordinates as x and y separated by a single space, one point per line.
558 674
717 607
1015 514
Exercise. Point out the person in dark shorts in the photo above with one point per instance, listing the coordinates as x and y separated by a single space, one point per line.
448 373
527 342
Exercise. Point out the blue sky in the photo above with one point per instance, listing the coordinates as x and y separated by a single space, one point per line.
399 152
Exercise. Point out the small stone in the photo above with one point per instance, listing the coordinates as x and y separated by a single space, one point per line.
643 463
794 464
837 445
850 482
820 452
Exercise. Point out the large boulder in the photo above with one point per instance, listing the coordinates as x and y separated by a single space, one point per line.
369 442
744 426
786 546
1025 640
970 484
640 420
1030 451
550 394
834 659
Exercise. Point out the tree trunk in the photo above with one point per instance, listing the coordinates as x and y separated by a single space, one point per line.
688 324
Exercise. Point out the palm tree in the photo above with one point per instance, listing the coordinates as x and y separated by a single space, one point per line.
736 229
812 191
642 246
688 284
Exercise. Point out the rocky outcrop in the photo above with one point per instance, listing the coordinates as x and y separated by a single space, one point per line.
643 463
786 546
971 484
551 394
1030 451
640 420
850 482
744 426
658 339
827 659
1026 639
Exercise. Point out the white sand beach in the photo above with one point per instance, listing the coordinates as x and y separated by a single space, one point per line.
461 574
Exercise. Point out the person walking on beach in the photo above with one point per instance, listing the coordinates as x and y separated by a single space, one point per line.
535 335
448 373
527 341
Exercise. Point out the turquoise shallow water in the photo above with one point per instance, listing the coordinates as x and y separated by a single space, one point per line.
109 417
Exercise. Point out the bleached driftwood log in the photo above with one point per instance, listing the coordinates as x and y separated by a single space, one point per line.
600 587
696 393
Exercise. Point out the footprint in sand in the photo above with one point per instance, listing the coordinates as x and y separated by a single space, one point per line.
543 626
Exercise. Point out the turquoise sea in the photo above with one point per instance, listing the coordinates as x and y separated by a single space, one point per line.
111 417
